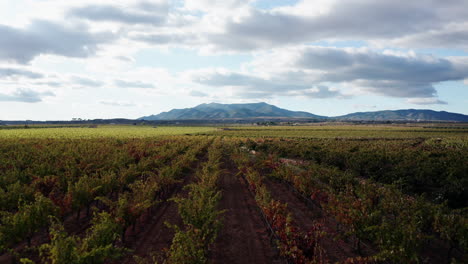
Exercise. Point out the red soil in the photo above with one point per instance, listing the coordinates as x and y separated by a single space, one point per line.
152 238
155 236
304 217
244 237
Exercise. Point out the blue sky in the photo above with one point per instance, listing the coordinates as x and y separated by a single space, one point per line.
86 59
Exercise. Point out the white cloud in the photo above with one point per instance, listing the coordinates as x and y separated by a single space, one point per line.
365 106
196 93
214 6
453 35
85 81
339 20
246 85
425 101
319 92
385 73
310 72
143 13
25 96
15 72
117 103
45 37
133 84
109 44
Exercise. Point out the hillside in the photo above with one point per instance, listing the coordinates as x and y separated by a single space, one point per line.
215 111
408 115
229 111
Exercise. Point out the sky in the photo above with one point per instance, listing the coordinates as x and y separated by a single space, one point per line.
126 59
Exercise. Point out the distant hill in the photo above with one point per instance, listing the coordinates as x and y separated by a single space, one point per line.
229 111
405 115
214 111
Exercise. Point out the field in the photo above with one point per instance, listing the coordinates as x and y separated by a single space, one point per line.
348 131
106 131
242 194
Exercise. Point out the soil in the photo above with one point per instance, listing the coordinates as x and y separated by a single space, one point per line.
153 238
244 237
304 217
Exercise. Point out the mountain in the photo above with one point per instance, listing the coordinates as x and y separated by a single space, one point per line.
405 115
216 111
230 111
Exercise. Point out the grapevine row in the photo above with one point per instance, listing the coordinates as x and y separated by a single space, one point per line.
136 188
399 225
297 246
200 217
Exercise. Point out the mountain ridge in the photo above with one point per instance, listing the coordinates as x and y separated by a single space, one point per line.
404 114
229 111
217 111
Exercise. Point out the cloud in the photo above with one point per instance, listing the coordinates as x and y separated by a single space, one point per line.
367 20
117 103
50 83
167 38
25 96
451 35
243 85
352 64
125 58
396 88
214 6
9 72
144 13
250 95
247 81
84 81
160 6
133 84
196 93
320 92
360 106
310 71
21 45
235 25
425 101
380 72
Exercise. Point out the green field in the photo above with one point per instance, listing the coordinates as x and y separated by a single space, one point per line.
313 131
106 131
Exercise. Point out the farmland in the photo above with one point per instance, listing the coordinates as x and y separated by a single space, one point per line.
279 194
109 131
347 131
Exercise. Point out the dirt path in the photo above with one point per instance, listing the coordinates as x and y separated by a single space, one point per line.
156 236
244 237
152 238
304 218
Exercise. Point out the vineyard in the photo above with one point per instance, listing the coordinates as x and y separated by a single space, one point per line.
312 194
106 131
